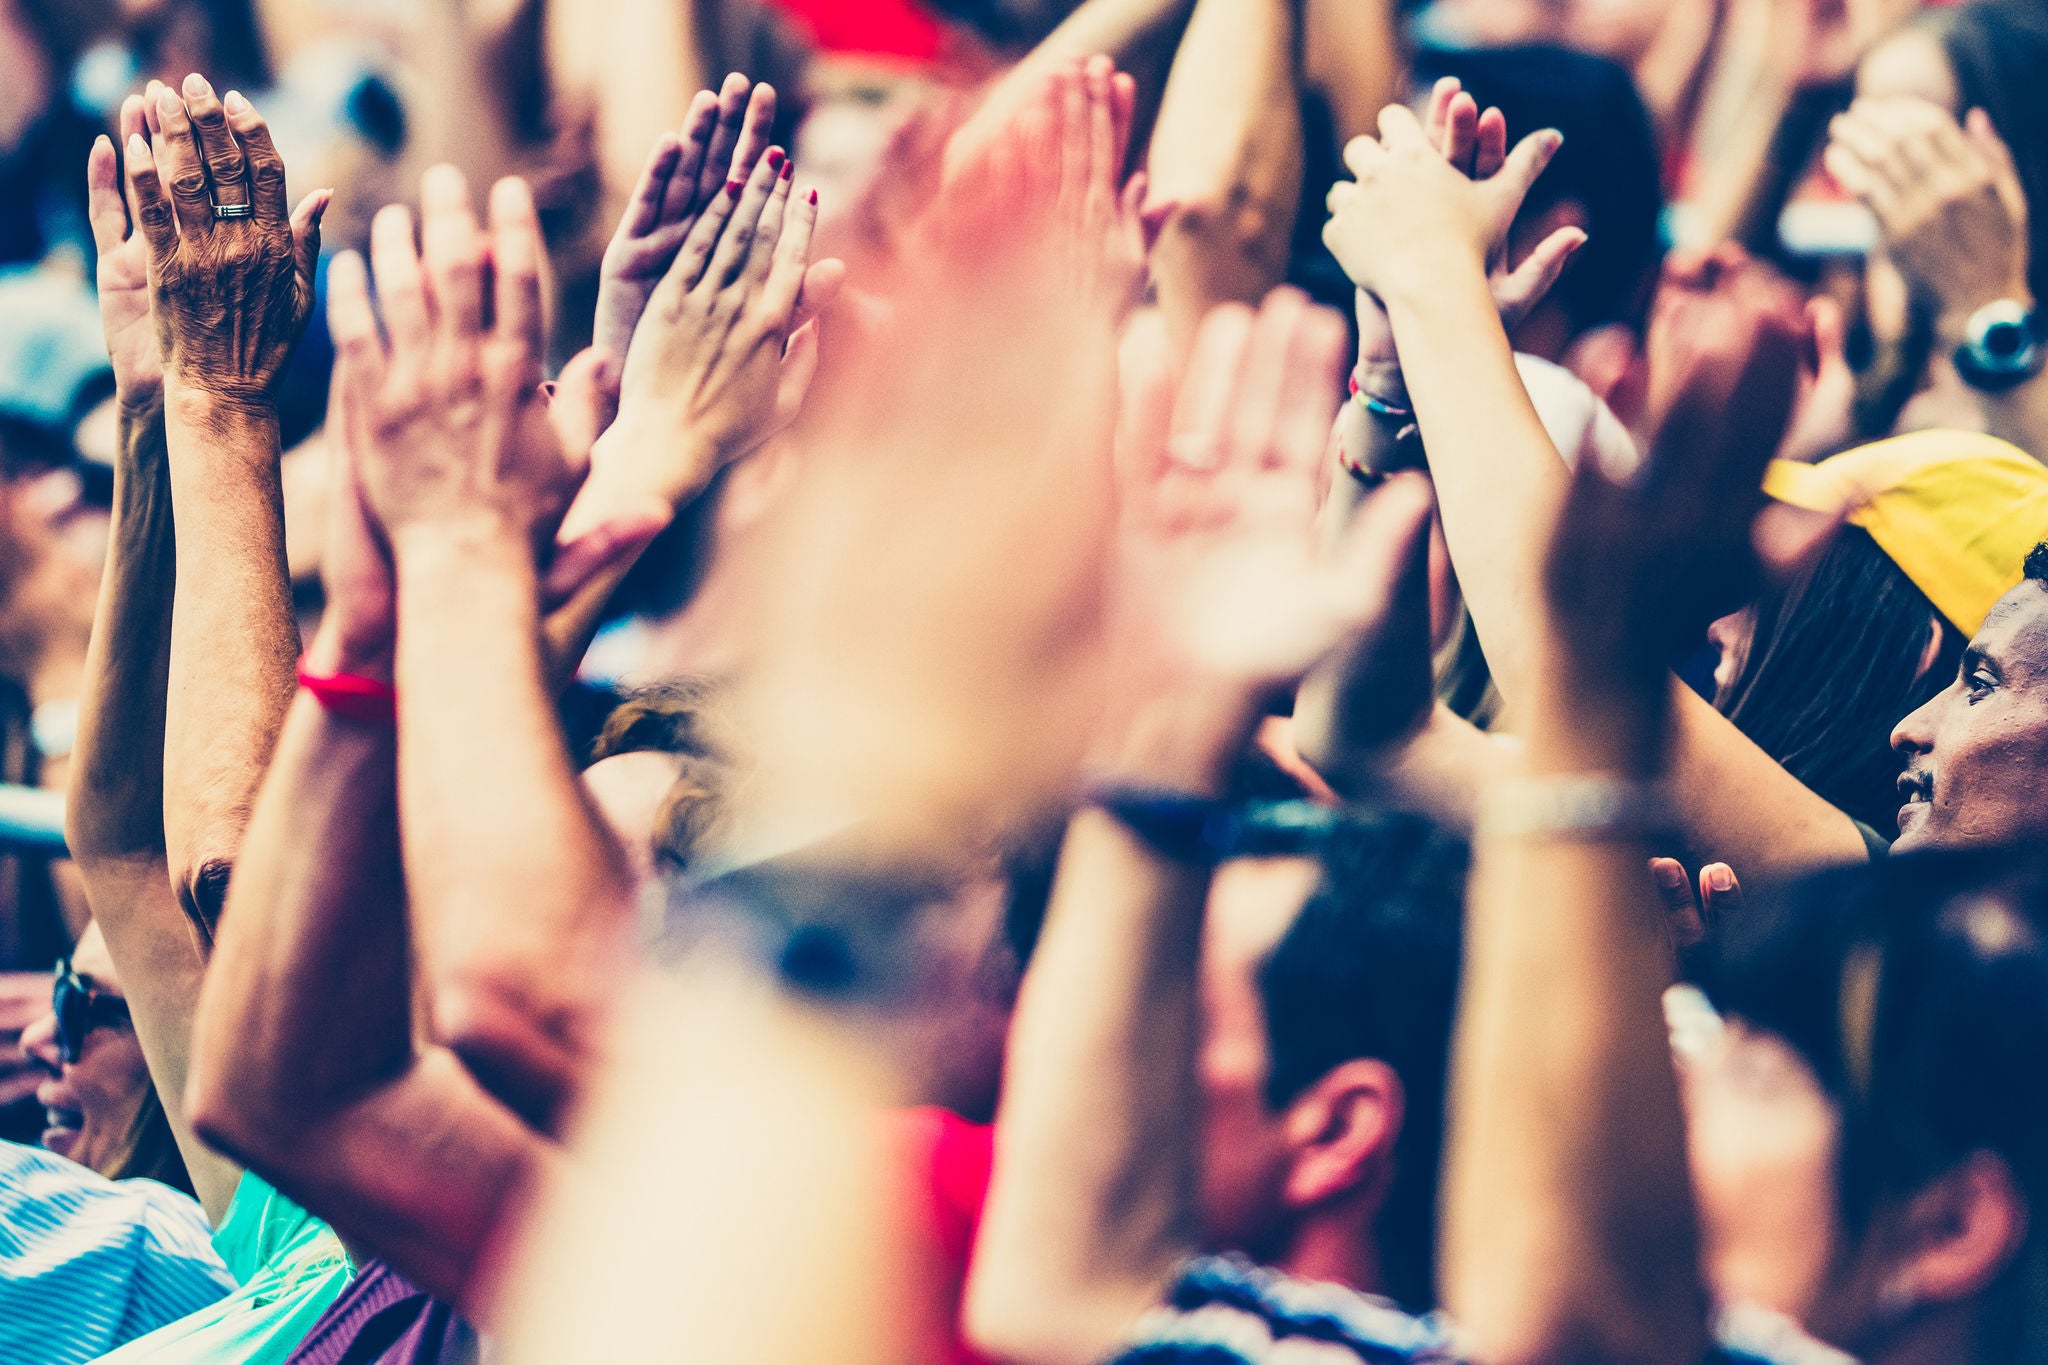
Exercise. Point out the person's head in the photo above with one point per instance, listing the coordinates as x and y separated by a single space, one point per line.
1818 671
102 1108
1976 755
1328 990
1606 179
1869 1134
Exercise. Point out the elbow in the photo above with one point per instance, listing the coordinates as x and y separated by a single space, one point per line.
1012 1313
1239 236
514 1049
202 886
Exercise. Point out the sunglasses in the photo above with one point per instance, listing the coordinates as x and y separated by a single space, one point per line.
82 1007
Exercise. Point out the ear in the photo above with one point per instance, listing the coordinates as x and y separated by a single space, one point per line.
1341 1131
1961 1232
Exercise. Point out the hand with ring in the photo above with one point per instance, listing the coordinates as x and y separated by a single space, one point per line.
230 268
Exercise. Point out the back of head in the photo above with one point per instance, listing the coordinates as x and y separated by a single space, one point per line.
1608 165
1999 50
1370 969
1916 990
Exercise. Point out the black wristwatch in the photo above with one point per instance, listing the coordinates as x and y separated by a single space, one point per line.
2002 347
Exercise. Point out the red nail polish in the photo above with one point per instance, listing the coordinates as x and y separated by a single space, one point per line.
776 158
732 187
814 199
788 169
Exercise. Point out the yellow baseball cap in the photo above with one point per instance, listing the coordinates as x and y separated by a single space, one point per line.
1957 511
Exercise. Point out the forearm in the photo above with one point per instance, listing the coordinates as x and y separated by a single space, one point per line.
520 896
115 809
308 1002
234 637
1228 151
1568 1224
1356 58
1092 1204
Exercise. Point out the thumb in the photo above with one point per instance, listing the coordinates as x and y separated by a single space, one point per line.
820 288
1681 912
305 222
1530 158
799 368
584 403
1526 286
604 549
1720 893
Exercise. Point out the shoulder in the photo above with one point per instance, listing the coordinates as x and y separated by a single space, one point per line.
1223 1310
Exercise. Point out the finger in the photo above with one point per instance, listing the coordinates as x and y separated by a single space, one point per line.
1071 99
517 256
1461 133
1859 179
1103 163
453 252
725 136
1363 154
132 124
1309 391
1255 416
822 281
153 213
104 207
352 322
1438 115
692 261
766 244
1523 289
1681 913
1399 128
305 225
784 290
1386 538
179 165
1872 148
226 169
799 371
1145 394
1492 150
582 398
152 120
757 129
401 287
1720 895
1994 151
738 240
644 207
1123 100
265 166
1208 390
1525 163
679 192
602 551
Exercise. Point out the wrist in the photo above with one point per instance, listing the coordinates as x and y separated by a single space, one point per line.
639 457
223 412
334 651
1188 741
478 546
1382 381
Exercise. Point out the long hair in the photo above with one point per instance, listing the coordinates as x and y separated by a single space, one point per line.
149 1149
1833 666
1916 991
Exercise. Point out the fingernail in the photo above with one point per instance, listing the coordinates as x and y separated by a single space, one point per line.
168 103
101 140
732 187
137 147
234 103
814 199
1721 878
776 158
1673 877
195 86
788 169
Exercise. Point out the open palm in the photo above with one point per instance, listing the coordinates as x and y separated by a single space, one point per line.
123 270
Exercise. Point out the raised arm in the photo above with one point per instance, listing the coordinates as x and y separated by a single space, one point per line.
1227 154
114 816
305 1063
1568 1221
1497 473
232 296
1092 1206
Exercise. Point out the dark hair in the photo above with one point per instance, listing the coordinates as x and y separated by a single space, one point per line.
1916 990
2036 569
1608 165
682 718
1998 50
1370 969
1832 667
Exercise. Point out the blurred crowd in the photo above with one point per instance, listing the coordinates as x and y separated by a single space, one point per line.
1137 682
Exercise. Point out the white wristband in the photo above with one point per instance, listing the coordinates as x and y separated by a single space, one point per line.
1567 809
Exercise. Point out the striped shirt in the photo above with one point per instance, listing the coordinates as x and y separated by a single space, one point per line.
88 1263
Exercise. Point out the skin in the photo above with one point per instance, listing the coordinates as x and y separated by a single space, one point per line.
1976 756
100 1094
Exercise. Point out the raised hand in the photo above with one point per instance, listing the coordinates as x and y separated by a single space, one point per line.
448 417
123 270
1948 200
230 266
718 363
1411 212
723 136
1221 578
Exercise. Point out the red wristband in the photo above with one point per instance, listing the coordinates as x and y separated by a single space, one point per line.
351 696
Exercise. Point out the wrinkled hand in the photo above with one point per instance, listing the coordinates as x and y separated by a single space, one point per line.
723 136
719 363
231 295
448 419
123 270
1475 143
1221 579
1948 200
1411 214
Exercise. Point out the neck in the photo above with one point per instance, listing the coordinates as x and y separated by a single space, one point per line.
1334 1247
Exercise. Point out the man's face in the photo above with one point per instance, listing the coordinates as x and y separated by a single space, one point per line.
1245 1152
1976 756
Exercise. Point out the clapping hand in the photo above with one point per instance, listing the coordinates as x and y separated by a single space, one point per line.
230 268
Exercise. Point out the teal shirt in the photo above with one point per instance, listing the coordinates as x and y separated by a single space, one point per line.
289 1267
